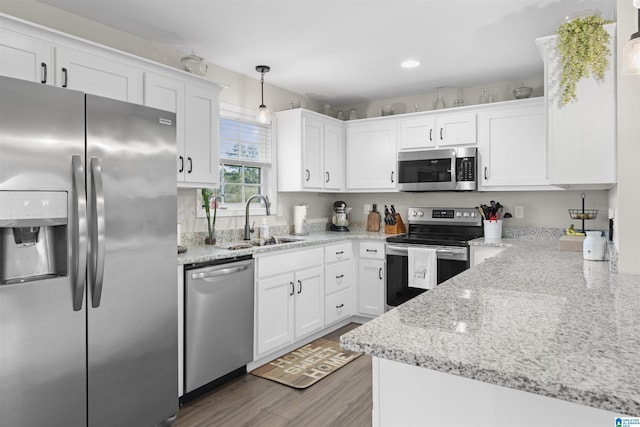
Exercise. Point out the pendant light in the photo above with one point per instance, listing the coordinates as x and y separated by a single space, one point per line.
631 50
264 116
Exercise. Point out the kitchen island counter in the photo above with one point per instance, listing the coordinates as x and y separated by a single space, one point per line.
532 318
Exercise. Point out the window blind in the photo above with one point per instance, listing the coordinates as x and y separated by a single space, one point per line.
245 142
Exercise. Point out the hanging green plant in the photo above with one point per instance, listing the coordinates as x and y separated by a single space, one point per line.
584 51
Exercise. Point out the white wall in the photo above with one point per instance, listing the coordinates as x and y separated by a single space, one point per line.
626 197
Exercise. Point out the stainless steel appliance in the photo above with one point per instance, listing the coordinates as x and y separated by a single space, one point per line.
218 321
340 218
447 230
88 314
450 169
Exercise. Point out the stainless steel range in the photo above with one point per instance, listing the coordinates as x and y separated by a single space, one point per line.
445 229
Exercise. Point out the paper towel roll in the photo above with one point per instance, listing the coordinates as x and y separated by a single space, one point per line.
299 218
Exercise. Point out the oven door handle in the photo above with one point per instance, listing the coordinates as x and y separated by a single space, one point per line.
396 250
403 251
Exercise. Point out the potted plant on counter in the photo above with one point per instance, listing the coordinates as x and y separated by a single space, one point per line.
210 200
584 51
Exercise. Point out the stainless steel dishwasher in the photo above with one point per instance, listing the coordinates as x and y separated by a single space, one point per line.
218 320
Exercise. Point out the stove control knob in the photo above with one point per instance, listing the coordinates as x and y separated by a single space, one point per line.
458 214
466 215
413 213
420 213
473 214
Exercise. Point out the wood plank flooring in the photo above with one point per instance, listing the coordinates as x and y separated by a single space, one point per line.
341 399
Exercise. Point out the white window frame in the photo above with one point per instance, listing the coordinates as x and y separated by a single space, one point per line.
269 187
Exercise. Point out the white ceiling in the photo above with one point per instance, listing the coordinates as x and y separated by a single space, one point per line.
349 51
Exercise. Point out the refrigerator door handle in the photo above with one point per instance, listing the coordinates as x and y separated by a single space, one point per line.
78 233
96 268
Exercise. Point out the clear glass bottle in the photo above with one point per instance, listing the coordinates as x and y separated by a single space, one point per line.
491 97
439 105
483 96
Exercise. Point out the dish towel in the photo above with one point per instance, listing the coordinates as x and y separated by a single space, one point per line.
423 267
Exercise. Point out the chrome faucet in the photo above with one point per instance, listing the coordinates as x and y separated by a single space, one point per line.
247 229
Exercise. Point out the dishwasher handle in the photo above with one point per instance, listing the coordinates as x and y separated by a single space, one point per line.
210 273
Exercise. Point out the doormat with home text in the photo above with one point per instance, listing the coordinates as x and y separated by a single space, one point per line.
306 365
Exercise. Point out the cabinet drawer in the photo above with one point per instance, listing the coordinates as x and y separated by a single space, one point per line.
372 250
338 276
338 306
270 265
338 252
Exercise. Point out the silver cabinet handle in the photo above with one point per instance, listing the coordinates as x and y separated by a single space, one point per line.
65 77
218 272
96 267
380 273
44 72
307 175
293 288
79 233
328 177
485 173
300 287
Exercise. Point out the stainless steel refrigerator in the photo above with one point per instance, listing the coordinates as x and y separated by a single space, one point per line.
88 308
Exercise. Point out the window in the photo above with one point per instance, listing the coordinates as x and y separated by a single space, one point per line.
245 158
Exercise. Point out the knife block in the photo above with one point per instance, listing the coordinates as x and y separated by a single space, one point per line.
397 228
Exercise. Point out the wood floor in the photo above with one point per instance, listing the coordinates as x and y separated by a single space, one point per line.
341 399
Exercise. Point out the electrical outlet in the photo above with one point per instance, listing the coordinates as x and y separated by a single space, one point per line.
367 209
519 211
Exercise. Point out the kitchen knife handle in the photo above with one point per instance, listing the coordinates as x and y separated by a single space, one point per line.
327 175
486 169
64 77
380 273
181 164
299 286
96 267
293 288
44 72
190 165
307 175
79 233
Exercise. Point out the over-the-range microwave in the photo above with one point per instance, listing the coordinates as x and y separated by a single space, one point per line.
449 169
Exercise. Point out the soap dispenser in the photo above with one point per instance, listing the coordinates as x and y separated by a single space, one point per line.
264 229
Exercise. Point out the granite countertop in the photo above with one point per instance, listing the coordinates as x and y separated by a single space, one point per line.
204 253
532 318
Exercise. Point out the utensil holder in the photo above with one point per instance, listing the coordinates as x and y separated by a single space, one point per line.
397 228
493 229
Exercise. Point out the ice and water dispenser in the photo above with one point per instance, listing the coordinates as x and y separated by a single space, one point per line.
33 235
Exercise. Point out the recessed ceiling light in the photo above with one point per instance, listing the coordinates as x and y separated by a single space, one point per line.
410 63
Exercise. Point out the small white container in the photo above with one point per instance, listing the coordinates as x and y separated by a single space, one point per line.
492 229
264 229
593 247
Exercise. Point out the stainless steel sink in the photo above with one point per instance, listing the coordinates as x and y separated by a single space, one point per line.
272 241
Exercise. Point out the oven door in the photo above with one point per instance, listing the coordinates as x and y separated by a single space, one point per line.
452 260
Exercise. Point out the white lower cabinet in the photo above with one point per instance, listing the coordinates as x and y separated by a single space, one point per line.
289 298
371 278
339 282
480 254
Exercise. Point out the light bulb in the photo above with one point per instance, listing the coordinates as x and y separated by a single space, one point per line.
631 57
264 116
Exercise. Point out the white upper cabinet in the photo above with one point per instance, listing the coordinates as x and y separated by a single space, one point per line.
25 58
429 130
98 75
310 151
371 155
581 134
512 145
